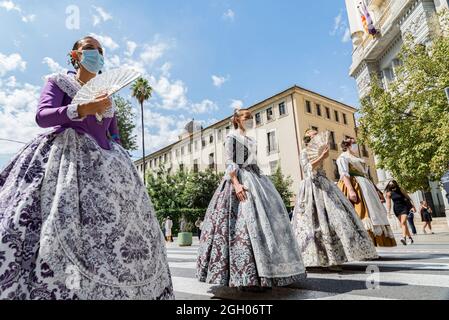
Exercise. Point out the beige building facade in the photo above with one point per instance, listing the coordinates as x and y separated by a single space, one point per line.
281 122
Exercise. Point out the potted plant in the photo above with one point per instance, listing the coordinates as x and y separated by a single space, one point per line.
185 236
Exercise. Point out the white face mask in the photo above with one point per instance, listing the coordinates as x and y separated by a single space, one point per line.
248 124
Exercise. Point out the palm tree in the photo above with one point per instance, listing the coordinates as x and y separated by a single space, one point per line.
142 91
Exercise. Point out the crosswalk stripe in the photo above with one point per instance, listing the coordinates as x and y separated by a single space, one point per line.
194 287
420 265
412 279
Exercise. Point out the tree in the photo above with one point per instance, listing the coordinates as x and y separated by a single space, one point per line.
283 185
142 91
182 190
126 123
407 124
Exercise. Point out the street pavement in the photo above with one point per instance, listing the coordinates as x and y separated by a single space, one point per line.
419 272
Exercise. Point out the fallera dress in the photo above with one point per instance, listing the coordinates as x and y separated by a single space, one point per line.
369 206
75 219
251 243
326 226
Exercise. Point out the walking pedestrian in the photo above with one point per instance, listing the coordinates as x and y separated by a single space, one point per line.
402 205
72 206
426 216
364 195
247 239
168 230
326 226
411 221
199 226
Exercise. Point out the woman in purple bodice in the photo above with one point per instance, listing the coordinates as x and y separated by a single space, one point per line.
75 219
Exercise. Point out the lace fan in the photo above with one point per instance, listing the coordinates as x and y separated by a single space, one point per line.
109 82
317 145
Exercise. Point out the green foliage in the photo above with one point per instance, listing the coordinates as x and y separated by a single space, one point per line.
191 215
407 126
126 119
181 190
283 185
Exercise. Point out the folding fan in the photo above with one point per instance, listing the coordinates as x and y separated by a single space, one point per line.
317 145
107 83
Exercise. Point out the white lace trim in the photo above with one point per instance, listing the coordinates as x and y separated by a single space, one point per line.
72 113
66 83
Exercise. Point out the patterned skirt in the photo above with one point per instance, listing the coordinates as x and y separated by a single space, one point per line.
326 226
248 244
77 223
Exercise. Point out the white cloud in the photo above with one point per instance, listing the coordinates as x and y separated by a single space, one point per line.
218 81
172 93
18 104
131 47
229 15
106 41
341 28
151 53
100 16
53 65
11 63
11 6
236 104
205 106
165 69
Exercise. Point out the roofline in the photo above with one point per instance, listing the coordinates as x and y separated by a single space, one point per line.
227 119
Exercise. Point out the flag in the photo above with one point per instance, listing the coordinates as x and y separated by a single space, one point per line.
367 21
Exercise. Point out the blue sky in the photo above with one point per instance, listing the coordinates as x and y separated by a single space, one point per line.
202 57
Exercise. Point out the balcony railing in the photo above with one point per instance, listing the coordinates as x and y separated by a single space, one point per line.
272 150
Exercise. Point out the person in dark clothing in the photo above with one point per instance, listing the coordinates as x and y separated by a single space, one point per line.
411 222
402 205
426 216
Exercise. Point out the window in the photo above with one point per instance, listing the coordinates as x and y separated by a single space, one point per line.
196 145
178 153
228 129
271 142
258 119
328 113
337 116
203 142
181 167
195 166
165 158
345 118
308 107
219 135
332 141
282 111
151 163
318 110
190 148
365 151
183 150
211 139
269 114
336 173
211 161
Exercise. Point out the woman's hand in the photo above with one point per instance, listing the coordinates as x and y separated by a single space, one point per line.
353 196
325 153
98 106
240 191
